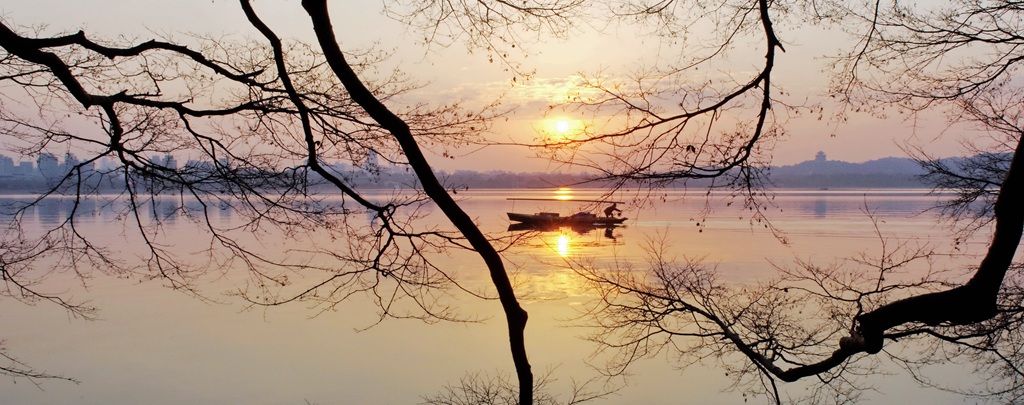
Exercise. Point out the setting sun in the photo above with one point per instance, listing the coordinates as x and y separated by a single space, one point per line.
562 126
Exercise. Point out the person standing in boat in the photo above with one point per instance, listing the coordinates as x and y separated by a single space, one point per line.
611 209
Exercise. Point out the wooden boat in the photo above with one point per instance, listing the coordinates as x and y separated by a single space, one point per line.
552 219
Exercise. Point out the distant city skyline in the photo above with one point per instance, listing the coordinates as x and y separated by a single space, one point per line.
26 165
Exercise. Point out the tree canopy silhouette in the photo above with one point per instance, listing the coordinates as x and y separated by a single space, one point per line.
265 122
265 119
666 127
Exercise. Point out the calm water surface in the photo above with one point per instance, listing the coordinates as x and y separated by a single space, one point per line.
157 346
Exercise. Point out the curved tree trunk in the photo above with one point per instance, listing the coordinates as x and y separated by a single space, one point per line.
514 313
975 301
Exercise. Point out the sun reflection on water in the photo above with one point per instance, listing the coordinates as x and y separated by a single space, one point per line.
563 246
563 194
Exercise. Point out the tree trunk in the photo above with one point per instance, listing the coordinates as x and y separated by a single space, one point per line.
975 301
515 315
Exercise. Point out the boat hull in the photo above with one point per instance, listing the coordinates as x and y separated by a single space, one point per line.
548 219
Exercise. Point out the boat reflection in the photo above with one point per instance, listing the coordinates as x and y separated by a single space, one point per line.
565 240
580 228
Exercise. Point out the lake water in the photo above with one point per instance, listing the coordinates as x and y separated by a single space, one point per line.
154 345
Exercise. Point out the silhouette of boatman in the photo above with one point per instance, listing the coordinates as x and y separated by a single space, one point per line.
613 208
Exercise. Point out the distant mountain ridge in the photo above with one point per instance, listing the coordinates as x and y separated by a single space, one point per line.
823 173
819 173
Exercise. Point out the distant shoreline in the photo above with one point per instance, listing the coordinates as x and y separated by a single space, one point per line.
818 174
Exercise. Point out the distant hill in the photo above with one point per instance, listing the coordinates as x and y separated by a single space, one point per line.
890 172
819 173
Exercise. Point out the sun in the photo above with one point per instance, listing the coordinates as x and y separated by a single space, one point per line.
562 126
561 129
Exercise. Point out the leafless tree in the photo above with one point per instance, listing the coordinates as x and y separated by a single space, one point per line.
908 58
975 178
19 280
292 108
680 121
483 388
959 57
264 119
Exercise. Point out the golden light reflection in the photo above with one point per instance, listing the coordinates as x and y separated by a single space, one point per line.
563 246
558 253
563 194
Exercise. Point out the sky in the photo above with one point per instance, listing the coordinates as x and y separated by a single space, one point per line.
454 73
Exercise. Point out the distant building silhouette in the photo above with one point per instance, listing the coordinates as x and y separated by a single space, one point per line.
168 161
70 161
24 169
820 157
6 166
48 166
